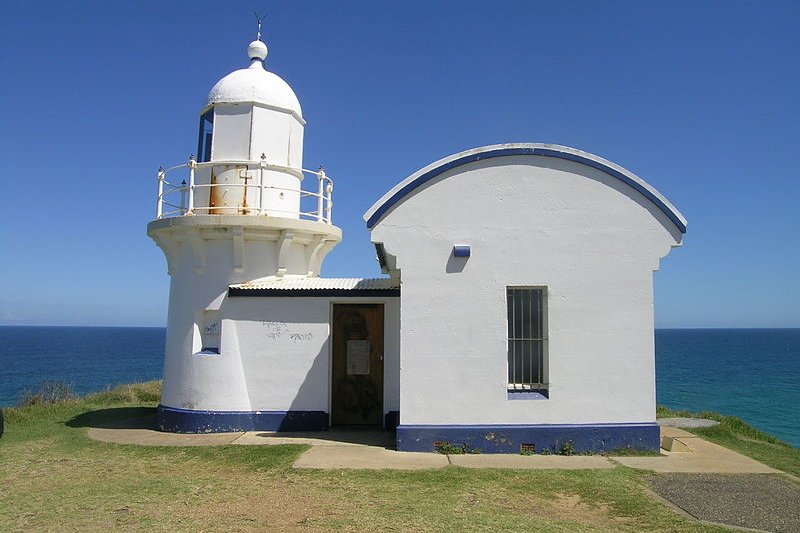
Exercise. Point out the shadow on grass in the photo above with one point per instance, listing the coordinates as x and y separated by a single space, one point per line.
116 418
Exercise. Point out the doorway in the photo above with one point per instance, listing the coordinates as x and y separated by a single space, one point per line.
357 364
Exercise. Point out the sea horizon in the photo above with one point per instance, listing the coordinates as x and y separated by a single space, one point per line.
752 373
17 325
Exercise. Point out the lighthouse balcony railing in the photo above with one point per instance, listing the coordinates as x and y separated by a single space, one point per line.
177 191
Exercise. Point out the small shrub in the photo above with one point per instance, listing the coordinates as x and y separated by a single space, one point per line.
445 448
567 448
149 391
48 392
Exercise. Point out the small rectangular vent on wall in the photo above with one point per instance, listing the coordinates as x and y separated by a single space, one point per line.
461 250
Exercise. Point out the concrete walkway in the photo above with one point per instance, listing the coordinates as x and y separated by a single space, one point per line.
700 456
761 502
701 479
352 449
359 449
151 437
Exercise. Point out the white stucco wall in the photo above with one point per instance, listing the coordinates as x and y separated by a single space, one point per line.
530 221
206 254
274 352
284 347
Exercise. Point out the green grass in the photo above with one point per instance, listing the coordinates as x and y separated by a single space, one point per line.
737 435
54 478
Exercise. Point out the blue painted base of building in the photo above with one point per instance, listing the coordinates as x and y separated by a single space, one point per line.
577 438
173 420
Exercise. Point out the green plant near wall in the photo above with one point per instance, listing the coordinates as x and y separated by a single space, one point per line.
567 448
446 448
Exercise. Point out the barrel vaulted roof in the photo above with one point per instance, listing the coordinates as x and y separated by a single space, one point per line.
400 191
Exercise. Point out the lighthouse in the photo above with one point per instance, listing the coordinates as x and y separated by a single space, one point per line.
524 272
242 210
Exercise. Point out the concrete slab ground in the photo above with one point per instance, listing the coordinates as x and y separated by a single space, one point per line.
339 437
151 437
702 457
707 482
142 431
532 462
358 448
759 501
687 422
367 457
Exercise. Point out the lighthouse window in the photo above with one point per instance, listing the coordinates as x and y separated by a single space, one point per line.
210 332
205 135
527 340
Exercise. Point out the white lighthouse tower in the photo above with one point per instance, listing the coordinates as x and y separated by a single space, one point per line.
243 210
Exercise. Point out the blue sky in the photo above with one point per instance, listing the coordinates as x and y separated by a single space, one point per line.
701 99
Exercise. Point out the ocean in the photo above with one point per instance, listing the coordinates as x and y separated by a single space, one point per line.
750 373
89 359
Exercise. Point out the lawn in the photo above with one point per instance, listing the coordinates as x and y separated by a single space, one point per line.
54 478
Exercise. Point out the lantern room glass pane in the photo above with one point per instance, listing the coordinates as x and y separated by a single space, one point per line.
205 136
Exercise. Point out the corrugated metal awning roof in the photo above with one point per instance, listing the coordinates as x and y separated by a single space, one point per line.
318 287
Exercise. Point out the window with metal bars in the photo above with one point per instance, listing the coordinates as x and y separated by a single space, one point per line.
527 339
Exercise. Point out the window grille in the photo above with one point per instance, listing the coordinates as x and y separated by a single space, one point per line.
527 338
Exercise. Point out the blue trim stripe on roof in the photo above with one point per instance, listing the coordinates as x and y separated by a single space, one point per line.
506 152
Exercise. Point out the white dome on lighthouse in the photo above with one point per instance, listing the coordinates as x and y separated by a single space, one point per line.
255 85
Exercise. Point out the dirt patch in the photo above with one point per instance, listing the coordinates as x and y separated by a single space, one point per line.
247 502
272 505
562 506
116 489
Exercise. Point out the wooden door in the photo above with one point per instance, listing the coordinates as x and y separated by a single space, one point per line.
357 373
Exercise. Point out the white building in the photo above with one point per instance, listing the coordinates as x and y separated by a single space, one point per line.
526 304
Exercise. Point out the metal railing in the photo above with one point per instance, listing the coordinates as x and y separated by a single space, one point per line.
177 198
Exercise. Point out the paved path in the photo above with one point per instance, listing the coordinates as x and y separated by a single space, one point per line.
358 449
759 501
683 422
702 456
367 458
346 449
373 450
151 437
706 481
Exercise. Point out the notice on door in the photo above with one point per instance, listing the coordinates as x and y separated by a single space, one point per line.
358 357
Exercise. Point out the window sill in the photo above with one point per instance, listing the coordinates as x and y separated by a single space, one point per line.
541 394
208 351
